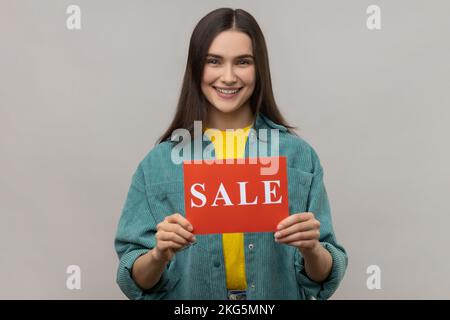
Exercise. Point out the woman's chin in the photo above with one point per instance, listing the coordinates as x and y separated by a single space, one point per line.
226 107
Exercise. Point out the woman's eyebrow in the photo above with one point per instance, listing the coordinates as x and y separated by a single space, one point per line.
238 57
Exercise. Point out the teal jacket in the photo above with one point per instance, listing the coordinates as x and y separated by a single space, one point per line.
273 270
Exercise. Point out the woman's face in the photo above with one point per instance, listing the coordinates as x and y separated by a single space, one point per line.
229 73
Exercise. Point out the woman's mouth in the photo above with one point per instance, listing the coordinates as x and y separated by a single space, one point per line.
227 93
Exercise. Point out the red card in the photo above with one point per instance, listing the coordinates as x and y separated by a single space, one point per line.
228 198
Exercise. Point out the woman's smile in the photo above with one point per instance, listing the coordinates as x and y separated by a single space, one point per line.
227 93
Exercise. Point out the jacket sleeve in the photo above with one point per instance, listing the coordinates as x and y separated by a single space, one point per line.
319 205
136 236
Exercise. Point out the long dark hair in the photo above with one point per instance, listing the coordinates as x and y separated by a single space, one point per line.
192 104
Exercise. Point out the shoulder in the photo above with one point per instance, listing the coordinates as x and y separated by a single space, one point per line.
159 152
300 151
293 141
288 140
157 165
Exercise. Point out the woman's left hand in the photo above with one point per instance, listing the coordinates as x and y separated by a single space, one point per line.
301 230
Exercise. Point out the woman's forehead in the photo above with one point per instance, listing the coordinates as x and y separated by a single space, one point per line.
231 44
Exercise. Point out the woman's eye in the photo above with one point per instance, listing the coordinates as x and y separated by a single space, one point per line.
244 61
212 61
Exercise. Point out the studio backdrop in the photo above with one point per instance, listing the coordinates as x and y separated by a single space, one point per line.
87 87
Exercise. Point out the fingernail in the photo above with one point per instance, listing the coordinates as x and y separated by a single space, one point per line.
194 239
280 226
190 228
277 234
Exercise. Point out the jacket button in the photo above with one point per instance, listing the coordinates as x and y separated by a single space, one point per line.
250 246
216 263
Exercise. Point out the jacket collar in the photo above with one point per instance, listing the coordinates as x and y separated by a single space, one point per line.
263 122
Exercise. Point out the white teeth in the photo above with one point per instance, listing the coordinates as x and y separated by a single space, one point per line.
227 91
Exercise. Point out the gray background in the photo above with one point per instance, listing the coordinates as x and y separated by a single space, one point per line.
80 109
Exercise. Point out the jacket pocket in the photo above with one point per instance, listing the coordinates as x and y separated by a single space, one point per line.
299 185
166 198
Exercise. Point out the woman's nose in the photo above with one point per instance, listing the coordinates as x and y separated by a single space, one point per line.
229 75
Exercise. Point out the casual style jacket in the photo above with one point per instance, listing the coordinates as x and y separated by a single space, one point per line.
273 270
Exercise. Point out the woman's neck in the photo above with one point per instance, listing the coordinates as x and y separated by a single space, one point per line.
240 118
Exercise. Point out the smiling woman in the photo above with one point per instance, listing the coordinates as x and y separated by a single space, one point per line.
227 85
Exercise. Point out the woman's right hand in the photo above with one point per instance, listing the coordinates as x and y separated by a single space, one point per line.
172 235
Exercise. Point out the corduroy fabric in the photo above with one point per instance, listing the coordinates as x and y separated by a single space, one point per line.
273 271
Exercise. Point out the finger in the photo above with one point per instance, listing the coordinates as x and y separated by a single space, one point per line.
170 236
175 246
298 227
295 218
300 236
178 229
165 245
307 244
178 218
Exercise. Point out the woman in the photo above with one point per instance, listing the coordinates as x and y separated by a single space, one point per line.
227 85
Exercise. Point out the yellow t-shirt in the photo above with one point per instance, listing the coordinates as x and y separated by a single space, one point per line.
233 243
